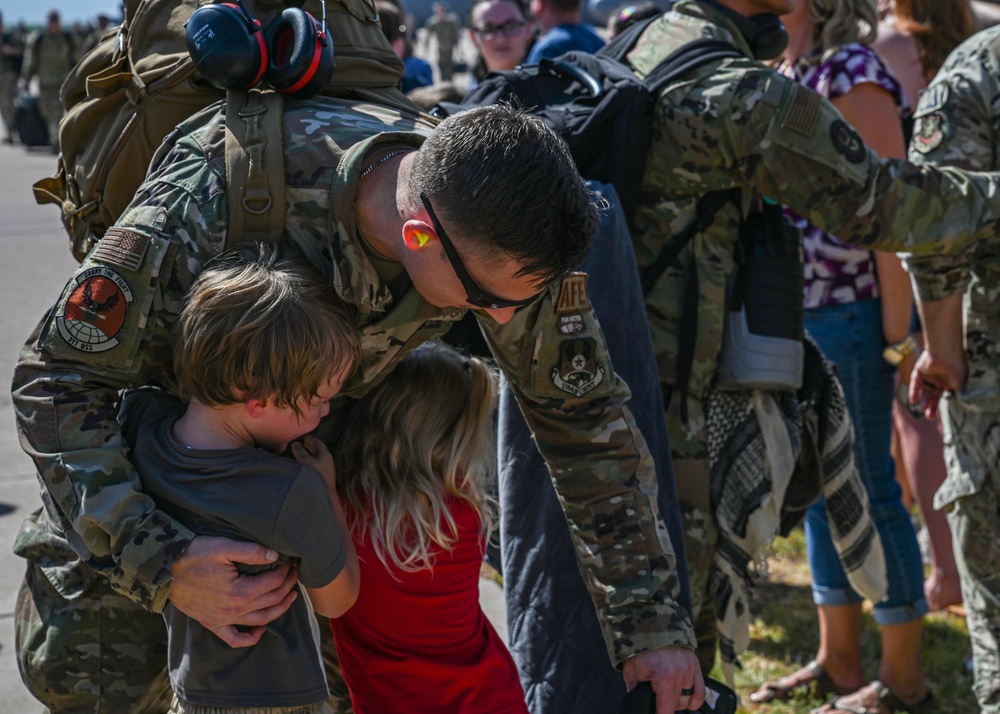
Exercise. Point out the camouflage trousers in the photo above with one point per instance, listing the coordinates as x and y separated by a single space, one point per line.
970 497
99 652
51 107
693 477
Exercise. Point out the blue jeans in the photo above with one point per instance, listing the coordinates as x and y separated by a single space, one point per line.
851 337
553 631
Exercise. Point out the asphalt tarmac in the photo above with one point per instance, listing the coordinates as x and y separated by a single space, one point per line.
35 265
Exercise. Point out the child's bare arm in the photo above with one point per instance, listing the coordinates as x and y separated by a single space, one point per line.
336 598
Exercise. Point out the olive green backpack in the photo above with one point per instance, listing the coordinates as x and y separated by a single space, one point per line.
125 95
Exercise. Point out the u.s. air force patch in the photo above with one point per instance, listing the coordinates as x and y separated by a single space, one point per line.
928 132
578 371
95 311
573 302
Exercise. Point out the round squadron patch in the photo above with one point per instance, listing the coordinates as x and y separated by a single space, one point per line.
847 142
95 311
928 132
578 371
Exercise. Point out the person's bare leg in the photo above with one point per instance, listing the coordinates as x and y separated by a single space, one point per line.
840 644
900 668
838 657
923 460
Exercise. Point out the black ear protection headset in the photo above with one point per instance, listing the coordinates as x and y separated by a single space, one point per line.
765 33
231 50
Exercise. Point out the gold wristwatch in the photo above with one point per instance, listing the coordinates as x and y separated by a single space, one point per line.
895 354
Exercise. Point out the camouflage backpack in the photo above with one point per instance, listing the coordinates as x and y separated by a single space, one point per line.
125 95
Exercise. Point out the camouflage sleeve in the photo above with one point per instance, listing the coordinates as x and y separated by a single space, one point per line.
556 360
109 330
956 126
750 126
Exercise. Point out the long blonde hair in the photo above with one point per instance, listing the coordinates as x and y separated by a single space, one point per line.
422 436
842 22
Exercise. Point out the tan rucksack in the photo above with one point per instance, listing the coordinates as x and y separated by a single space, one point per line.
139 82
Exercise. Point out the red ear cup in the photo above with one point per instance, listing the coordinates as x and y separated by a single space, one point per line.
227 45
300 54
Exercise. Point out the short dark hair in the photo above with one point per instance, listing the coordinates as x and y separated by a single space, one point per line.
499 178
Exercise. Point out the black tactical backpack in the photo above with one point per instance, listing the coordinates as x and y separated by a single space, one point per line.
596 103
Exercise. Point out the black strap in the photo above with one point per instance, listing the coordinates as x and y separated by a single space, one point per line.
678 63
705 210
624 41
688 57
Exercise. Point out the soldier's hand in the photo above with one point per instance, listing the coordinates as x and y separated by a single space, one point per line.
674 674
208 588
934 375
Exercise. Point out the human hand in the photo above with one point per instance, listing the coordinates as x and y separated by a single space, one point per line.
675 675
313 452
934 375
208 588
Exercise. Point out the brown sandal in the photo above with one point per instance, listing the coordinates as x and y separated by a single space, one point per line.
886 703
790 683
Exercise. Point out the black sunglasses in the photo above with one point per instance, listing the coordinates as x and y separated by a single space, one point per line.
476 295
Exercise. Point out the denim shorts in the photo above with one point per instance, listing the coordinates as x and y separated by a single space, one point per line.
851 337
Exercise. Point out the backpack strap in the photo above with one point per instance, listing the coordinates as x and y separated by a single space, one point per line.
687 58
678 63
706 208
624 41
255 167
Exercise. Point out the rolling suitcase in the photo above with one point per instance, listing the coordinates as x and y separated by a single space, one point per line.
28 122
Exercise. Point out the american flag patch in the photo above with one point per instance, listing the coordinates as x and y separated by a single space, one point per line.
122 248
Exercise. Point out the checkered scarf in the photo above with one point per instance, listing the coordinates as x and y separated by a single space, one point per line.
754 441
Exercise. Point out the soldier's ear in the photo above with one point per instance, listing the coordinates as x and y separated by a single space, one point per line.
417 234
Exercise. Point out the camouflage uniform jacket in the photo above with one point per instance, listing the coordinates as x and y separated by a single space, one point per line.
111 330
958 124
50 57
739 124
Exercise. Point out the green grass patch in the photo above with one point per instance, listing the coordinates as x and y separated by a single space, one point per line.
785 636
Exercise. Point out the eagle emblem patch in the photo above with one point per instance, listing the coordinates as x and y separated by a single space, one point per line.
95 311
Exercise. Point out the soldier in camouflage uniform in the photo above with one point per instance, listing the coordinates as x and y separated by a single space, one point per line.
50 56
11 57
736 123
958 124
373 197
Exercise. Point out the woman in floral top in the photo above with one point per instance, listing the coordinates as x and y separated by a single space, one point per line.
857 303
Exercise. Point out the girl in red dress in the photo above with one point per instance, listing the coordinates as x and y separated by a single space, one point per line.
414 465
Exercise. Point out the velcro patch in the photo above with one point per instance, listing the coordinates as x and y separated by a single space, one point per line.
932 99
95 311
573 295
928 132
122 248
578 371
847 142
803 113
